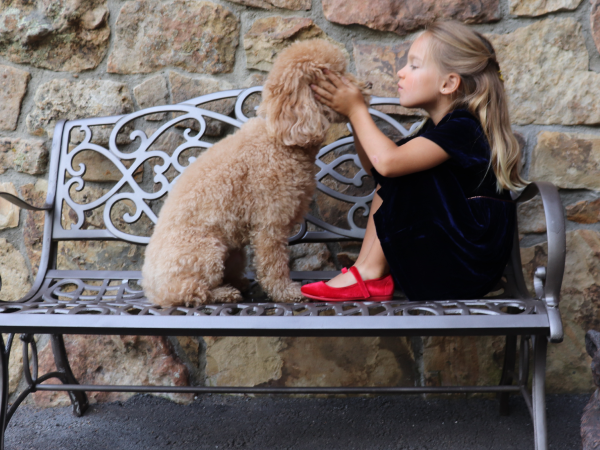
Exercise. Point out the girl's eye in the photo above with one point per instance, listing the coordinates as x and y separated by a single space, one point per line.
413 67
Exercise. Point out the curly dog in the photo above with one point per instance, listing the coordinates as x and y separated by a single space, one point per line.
252 187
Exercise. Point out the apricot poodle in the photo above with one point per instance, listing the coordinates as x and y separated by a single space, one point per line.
249 188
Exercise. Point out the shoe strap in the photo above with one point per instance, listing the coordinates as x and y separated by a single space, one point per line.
344 270
360 282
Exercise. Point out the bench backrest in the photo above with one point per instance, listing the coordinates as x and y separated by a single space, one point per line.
142 165
121 200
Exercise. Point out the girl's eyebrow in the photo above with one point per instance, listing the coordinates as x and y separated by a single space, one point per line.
414 58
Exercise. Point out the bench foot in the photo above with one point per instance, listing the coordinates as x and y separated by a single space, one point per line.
64 374
4 418
79 399
536 400
30 371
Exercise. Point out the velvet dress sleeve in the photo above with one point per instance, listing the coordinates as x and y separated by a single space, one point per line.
461 136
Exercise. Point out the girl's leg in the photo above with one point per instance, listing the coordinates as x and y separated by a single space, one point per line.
371 262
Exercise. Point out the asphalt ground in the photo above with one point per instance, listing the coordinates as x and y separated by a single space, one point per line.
280 422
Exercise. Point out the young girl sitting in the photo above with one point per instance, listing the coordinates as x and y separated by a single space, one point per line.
442 221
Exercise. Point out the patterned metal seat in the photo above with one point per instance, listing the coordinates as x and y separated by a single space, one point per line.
123 207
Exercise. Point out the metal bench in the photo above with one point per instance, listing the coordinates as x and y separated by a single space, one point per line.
111 302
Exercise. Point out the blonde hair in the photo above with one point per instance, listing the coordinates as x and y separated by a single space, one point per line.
457 48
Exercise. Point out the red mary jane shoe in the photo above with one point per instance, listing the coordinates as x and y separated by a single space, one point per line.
379 289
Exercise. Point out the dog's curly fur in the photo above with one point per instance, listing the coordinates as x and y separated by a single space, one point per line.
249 188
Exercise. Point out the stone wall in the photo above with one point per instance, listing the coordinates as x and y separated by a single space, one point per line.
81 58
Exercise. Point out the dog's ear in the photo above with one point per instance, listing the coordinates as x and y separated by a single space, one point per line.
293 115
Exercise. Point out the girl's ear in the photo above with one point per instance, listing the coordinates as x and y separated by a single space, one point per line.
450 84
293 116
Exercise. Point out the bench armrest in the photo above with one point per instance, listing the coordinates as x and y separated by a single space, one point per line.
548 280
23 204
48 208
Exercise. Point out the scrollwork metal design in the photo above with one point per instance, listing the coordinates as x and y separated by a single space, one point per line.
118 297
128 163
31 373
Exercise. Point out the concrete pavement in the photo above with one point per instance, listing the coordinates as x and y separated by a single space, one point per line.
220 422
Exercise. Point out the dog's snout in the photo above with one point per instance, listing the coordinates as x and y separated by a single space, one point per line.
368 85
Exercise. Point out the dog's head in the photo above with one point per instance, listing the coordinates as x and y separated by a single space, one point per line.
294 117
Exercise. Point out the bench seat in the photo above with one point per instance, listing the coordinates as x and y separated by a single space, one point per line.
80 306
277 319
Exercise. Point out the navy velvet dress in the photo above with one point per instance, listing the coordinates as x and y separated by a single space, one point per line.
446 232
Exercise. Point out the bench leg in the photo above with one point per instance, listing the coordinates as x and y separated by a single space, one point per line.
4 354
508 371
79 399
540 344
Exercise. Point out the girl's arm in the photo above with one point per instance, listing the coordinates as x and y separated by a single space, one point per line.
388 159
383 154
360 151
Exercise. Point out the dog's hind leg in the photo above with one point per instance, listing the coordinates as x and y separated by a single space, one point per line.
272 267
192 270
234 279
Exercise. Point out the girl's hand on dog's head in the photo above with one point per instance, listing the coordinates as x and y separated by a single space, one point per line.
339 94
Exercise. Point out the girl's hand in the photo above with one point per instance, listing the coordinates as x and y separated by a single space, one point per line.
339 94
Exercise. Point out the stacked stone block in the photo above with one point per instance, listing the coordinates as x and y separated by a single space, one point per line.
86 58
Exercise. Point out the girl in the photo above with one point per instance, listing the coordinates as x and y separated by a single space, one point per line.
442 221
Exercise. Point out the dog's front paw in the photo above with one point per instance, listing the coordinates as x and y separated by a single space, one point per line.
290 294
226 294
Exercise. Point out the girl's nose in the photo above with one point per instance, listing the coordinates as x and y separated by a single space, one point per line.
399 73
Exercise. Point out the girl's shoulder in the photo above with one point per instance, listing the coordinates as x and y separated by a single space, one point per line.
458 122
461 135
461 119
458 114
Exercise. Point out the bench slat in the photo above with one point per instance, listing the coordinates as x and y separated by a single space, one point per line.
136 275
473 325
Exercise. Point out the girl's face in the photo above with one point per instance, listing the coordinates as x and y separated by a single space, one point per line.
420 80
